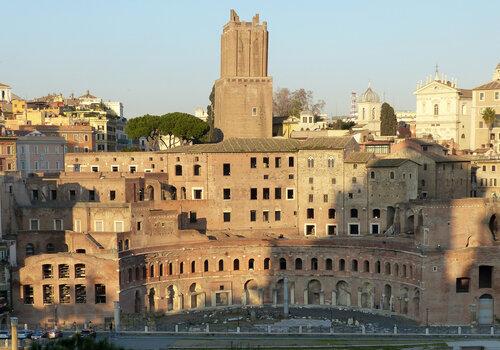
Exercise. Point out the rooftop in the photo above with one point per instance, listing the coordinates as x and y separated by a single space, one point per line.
387 162
264 145
492 85
359 157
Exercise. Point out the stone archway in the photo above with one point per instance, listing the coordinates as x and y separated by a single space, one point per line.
252 293
137 302
404 295
174 299
197 299
387 298
314 293
366 296
343 293
151 299
150 193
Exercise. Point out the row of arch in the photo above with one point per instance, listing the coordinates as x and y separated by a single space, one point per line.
159 269
368 295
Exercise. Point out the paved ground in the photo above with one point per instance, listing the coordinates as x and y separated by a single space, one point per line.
288 342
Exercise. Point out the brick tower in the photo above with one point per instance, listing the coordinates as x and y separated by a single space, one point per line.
244 92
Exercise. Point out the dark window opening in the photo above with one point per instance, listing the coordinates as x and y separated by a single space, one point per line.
226 169
341 265
282 264
463 285
329 264
485 276
298 264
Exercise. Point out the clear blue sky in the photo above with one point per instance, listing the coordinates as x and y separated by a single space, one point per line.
161 56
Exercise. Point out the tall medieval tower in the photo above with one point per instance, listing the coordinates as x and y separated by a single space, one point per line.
244 92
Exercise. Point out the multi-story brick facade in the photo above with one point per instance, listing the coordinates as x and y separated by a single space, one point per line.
181 229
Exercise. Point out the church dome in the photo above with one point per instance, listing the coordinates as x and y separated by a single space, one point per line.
370 96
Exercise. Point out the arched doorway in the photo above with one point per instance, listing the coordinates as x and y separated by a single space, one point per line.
390 216
367 296
197 297
404 301
251 293
343 293
485 312
150 193
416 304
171 295
314 292
137 302
151 299
387 297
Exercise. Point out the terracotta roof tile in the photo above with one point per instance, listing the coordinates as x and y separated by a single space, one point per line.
492 85
387 162
359 157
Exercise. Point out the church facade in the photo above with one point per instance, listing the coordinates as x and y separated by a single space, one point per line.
369 108
444 111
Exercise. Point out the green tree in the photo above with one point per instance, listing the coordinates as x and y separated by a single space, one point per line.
489 116
185 126
211 116
388 120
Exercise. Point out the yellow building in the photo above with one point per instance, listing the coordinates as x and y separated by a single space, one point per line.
486 95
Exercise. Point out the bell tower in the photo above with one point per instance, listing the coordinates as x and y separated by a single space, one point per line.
244 91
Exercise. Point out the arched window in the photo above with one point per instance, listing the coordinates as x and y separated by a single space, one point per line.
196 170
404 271
30 249
341 265
160 270
310 162
221 265
436 109
354 213
366 266
373 112
251 264
298 264
170 269
50 248
205 266
120 246
354 265
181 268
282 264
137 273
376 213
236 264
387 268
193 266
127 244
314 264
364 113
129 274
372 174
178 170
463 136
144 272
423 183
392 175
377 267
267 263
151 271
329 264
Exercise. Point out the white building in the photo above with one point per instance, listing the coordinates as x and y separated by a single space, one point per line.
115 106
5 93
443 110
201 114
369 107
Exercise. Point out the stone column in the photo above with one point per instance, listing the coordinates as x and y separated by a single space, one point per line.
275 297
285 297
359 299
372 300
322 298
292 294
334 298
382 302
391 303
230 297
116 305
306 299
13 333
